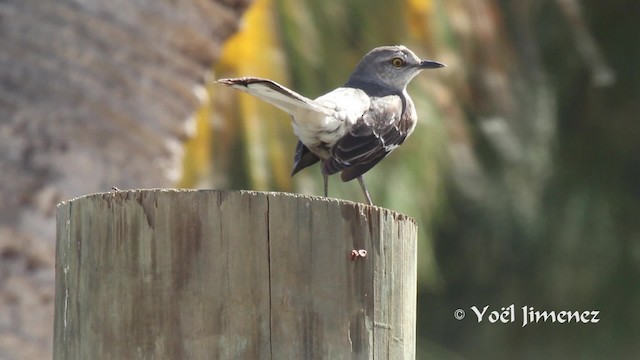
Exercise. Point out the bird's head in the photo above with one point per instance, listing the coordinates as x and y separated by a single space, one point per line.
391 67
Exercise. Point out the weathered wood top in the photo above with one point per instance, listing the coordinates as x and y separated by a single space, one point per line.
157 274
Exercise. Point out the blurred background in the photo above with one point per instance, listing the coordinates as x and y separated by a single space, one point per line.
523 172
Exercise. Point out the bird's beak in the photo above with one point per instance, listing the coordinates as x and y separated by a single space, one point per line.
428 64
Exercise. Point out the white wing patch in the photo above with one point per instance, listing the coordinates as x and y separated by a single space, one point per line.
348 104
344 105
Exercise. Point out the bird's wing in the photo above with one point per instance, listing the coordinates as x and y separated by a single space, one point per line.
381 129
273 93
303 158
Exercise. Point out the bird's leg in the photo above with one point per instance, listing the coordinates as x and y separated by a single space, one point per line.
364 188
326 185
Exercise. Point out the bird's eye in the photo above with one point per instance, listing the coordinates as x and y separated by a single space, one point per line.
397 62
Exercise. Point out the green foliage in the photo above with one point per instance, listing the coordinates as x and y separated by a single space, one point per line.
522 173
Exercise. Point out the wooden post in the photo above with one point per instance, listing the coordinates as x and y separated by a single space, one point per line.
185 274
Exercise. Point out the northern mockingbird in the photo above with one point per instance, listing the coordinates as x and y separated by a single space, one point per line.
353 127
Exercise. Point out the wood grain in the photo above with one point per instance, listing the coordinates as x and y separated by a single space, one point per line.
173 274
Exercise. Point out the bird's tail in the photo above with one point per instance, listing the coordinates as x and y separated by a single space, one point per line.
275 94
